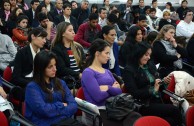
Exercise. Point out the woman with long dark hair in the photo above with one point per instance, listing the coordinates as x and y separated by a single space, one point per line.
48 99
99 84
69 53
134 36
142 82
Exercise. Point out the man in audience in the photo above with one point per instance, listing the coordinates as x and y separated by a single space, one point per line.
31 13
88 31
186 26
140 7
181 9
23 63
66 16
152 19
102 17
159 13
58 10
82 12
49 28
7 51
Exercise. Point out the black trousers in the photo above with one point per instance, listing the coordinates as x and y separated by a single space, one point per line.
166 111
128 121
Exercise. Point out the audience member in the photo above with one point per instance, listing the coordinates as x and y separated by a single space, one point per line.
13 4
94 8
12 22
49 5
134 36
190 50
74 5
151 37
69 53
7 51
23 63
167 52
102 17
166 20
182 8
42 8
33 22
152 19
66 16
20 33
5 12
158 11
58 10
82 12
108 33
48 100
106 5
143 84
102 84
88 31
186 26
141 7
48 26
169 7
22 4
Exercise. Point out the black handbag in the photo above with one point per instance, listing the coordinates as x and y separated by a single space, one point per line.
118 107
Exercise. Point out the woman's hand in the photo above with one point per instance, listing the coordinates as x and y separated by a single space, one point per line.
65 104
167 79
157 85
116 85
173 41
2 93
104 87
80 75
178 55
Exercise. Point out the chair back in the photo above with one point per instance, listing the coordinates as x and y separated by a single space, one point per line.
151 121
189 116
7 74
4 120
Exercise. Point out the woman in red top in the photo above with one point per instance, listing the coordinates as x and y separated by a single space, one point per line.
20 36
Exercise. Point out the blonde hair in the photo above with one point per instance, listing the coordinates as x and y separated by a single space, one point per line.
61 28
163 30
166 13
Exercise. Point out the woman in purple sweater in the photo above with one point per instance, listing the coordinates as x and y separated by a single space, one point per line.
98 83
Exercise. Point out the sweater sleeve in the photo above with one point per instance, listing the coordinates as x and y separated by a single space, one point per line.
35 99
80 36
19 35
91 87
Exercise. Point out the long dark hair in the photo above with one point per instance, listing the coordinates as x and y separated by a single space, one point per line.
97 45
41 62
5 1
140 50
132 35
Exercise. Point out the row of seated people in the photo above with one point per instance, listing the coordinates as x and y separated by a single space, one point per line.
49 101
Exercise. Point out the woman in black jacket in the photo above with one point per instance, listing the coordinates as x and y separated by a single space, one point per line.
70 54
141 81
167 52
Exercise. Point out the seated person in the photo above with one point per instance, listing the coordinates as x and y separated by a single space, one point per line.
108 33
2 92
142 83
167 52
69 53
98 83
48 99
23 63
20 33
7 51
88 31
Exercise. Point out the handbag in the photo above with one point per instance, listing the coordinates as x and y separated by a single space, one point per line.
118 107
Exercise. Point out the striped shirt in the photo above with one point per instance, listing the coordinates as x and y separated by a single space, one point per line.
73 64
